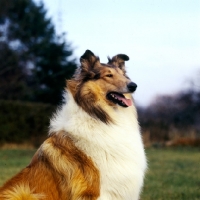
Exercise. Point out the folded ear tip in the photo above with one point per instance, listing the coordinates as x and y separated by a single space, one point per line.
123 57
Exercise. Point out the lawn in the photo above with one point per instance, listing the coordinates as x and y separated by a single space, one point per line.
174 173
12 161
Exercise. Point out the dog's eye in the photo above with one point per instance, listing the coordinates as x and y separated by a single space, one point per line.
109 75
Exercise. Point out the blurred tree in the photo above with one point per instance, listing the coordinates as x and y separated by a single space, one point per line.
12 76
177 114
39 60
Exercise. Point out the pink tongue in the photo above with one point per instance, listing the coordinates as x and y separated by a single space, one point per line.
128 102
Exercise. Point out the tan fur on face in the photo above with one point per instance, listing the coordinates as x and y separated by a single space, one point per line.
118 82
91 95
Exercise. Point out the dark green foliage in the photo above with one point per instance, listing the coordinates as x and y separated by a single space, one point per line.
43 60
12 76
24 122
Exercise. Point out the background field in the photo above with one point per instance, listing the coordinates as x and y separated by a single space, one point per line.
174 173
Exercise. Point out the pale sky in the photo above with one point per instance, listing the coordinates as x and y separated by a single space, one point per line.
161 37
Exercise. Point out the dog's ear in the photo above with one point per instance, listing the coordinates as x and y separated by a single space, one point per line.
119 61
89 60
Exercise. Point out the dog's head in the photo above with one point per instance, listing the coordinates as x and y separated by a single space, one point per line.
96 86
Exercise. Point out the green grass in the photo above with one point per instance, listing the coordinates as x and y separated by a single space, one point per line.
12 161
174 173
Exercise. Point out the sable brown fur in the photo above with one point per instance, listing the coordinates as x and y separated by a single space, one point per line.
70 164
58 171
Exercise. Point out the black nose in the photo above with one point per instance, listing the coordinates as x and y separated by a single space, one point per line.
132 87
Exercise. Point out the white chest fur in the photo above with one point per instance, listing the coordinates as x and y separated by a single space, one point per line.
116 149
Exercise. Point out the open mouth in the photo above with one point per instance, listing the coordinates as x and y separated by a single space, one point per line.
119 99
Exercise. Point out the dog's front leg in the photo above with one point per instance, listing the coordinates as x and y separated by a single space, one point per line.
78 176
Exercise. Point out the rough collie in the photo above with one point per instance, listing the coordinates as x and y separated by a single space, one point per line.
94 149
